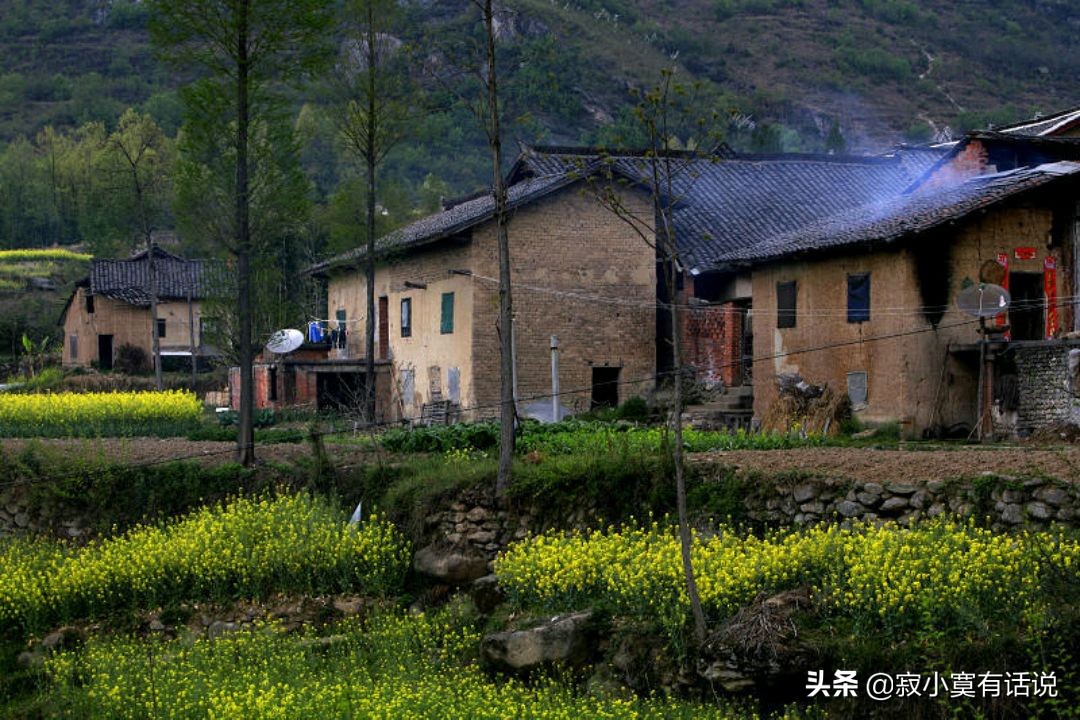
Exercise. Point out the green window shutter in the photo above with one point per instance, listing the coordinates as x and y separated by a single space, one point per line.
447 324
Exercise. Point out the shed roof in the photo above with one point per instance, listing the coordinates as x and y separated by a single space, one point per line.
894 218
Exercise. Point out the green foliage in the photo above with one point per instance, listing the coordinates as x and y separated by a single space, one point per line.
263 436
582 436
462 436
388 666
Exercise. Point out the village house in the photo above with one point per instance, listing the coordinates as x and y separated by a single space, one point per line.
582 275
865 301
110 309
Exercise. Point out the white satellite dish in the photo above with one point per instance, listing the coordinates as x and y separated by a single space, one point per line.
285 341
983 300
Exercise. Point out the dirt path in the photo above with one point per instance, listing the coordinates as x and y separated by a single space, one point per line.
847 463
868 464
137 451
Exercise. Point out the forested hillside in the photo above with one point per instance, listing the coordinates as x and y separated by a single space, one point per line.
795 75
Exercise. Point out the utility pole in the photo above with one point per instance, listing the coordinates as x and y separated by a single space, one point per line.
155 341
555 378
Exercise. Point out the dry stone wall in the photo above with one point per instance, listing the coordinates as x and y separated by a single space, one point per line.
473 523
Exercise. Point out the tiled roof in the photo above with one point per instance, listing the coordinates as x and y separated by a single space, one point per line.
449 222
724 202
129 280
1043 126
895 218
739 201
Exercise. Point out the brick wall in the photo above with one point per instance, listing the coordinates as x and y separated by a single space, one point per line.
969 162
712 342
579 273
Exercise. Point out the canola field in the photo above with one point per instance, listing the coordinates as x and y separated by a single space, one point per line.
938 576
113 414
249 548
392 666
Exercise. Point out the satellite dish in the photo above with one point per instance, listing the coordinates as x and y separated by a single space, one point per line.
285 341
983 300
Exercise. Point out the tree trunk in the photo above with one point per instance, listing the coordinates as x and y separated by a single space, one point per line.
245 442
678 453
370 157
155 341
507 411
191 324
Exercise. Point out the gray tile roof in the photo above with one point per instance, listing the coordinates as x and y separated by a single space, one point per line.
1043 126
452 221
894 218
129 280
728 203
724 202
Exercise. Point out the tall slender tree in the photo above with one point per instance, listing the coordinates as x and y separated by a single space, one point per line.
507 408
243 49
371 96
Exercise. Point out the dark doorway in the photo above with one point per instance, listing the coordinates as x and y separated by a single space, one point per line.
105 352
384 328
605 387
1027 320
339 390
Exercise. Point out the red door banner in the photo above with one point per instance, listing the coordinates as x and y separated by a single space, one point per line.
1050 288
1000 320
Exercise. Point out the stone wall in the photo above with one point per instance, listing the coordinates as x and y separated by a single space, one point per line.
471 522
1007 501
18 516
1042 374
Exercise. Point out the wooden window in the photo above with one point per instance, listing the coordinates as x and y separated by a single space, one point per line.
161 327
447 324
858 298
406 317
786 293
89 304
271 385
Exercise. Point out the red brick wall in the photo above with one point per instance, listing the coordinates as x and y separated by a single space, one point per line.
969 162
712 342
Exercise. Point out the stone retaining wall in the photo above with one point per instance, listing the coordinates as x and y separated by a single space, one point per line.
1009 502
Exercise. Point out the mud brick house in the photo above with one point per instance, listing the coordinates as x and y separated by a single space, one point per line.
865 300
578 275
582 274
111 308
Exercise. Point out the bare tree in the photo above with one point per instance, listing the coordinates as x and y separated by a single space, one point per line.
666 170
507 410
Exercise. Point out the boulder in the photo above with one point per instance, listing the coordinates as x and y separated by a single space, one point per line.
452 565
486 594
568 640
65 638
849 509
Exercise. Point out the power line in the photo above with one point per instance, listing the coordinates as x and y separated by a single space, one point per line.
370 427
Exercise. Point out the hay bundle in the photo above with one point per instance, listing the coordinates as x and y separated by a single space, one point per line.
814 408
